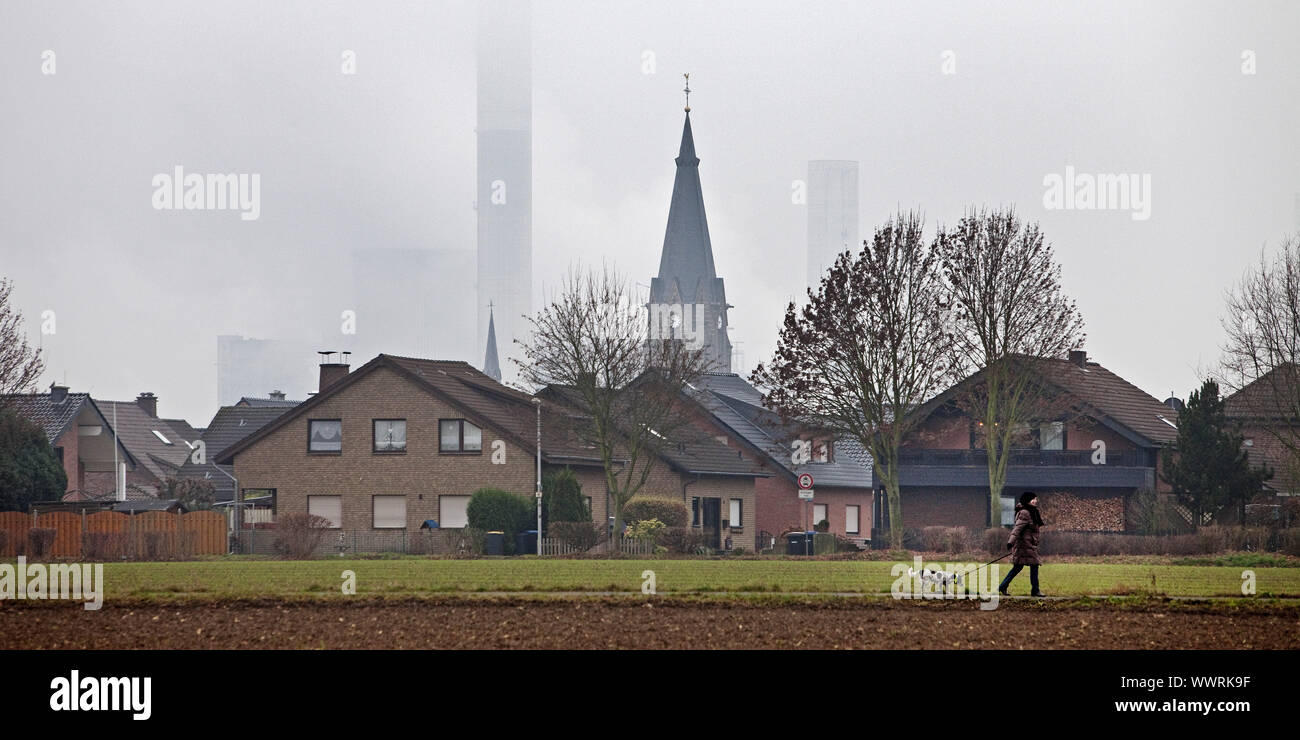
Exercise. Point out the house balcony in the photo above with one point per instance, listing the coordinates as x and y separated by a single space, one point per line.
1029 468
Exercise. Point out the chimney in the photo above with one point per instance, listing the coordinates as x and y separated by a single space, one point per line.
331 372
58 393
277 395
1079 357
148 402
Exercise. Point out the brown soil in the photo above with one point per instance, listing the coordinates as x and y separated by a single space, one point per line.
634 622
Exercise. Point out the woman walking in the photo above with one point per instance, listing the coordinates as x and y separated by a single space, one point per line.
1023 543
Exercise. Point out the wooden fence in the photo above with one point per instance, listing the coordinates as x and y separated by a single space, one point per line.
150 535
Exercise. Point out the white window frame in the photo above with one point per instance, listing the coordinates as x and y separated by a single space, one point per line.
736 514
856 519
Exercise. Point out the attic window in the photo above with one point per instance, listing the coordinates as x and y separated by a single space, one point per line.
1170 423
160 437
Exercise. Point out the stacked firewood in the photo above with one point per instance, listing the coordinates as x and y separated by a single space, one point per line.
1068 512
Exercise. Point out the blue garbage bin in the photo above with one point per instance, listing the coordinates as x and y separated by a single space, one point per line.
526 542
494 543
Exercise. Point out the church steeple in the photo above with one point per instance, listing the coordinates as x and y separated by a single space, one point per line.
687 276
492 366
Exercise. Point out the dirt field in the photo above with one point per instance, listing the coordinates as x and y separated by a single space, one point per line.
631 622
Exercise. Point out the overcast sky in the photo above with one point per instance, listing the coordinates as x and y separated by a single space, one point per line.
386 157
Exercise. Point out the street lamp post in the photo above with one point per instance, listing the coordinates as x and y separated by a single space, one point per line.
538 403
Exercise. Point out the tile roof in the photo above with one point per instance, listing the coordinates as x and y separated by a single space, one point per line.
1099 393
135 430
230 425
1104 391
512 412
691 450
282 403
52 418
1258 399
737 405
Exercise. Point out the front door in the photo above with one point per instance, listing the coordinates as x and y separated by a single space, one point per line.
712 523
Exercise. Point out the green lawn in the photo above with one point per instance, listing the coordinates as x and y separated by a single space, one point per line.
411 576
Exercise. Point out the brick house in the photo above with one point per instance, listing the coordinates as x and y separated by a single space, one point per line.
229 425
1267 425
159 446
1086 464
731 410
403 440
81 436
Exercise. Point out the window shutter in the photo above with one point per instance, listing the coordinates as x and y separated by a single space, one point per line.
390 512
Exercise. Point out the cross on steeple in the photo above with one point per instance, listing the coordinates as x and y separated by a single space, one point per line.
688 91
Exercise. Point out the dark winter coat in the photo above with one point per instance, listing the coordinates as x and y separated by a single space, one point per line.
1024 539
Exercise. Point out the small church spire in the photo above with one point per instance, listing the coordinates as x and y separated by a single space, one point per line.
491 365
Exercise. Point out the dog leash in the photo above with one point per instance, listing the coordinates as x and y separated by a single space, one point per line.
991 562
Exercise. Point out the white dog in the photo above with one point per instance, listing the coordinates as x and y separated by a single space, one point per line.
938 577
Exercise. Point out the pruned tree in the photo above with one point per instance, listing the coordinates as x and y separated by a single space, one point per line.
869 345
1207 466
1008 313
20 364
1262 352
594 348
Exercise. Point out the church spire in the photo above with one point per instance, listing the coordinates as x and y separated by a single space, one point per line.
687 276
492 366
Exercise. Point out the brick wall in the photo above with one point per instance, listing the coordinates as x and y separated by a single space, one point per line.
71 461
925 506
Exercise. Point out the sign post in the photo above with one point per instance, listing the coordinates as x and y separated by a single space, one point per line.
806 487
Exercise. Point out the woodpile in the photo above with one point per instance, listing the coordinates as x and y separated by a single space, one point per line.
1068 512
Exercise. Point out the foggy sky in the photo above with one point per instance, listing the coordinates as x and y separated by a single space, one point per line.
386 157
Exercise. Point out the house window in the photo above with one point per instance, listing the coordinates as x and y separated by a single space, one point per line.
1008 511
325 435
453 512
695 511
390 435
389 512
821 451
1052 435
851 519
819 514
737 509
458 435
327 507
587 502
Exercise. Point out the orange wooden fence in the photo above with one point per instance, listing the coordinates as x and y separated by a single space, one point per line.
142 535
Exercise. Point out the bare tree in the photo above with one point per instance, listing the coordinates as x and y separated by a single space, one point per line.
869 346
1008 313
20 364
594 346
1262 350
